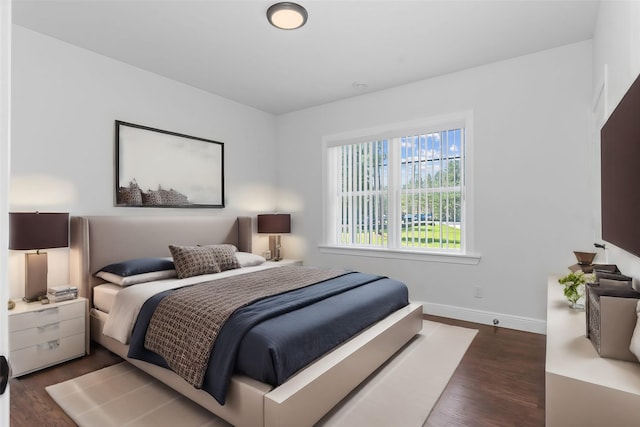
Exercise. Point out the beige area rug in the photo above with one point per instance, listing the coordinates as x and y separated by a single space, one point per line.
402 392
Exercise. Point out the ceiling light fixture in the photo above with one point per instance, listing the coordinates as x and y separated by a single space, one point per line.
287 15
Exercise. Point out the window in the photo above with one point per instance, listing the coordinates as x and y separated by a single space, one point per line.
400 189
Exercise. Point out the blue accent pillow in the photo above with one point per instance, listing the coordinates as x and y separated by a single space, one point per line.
139 266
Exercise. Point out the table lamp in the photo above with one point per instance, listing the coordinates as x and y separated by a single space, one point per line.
36 231
274 224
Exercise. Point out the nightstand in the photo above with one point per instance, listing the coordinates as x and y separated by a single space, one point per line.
42 335
286 261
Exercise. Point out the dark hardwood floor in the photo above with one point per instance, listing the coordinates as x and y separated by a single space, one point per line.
500 382
31 405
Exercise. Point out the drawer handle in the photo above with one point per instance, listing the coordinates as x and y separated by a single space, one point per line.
51 345
52 310
49 326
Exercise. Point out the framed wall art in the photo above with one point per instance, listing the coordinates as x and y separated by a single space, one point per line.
158 168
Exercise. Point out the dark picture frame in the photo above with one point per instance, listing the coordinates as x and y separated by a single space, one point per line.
163 169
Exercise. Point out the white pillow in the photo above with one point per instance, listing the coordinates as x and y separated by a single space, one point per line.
635 338
247 260
136 278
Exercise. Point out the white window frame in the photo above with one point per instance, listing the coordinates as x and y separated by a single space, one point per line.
467 254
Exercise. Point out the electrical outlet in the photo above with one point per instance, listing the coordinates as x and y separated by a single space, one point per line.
477 292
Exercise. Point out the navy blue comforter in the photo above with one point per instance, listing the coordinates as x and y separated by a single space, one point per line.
275 337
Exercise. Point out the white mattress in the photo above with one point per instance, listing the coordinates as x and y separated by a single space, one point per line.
104 296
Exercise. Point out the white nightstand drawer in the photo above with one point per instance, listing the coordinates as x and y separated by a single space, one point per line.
40 334
43 335
45 316
47 353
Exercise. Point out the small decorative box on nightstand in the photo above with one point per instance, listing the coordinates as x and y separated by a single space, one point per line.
285 261
42 335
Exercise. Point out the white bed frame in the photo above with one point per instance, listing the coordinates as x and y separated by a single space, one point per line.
301 401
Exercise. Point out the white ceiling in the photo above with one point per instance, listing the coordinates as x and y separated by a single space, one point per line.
228 48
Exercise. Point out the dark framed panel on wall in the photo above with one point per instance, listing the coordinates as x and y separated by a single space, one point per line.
158 168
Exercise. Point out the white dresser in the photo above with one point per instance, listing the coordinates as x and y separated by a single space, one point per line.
45 335
582 388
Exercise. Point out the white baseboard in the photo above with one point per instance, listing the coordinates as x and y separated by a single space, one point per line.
485 317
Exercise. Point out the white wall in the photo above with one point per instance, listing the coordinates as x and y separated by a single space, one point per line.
5 138
65 101
616 49
533 195
532 126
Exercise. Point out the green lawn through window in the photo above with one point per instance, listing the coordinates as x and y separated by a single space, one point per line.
414 236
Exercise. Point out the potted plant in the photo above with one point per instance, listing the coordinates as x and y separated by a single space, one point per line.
574 287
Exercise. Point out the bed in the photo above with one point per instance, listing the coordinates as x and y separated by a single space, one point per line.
301 400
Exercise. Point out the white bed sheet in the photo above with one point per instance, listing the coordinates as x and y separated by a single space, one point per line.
128 301
104 296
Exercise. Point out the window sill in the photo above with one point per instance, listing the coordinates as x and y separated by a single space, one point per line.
401 254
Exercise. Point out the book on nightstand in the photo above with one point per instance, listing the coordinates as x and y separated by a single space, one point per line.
62 293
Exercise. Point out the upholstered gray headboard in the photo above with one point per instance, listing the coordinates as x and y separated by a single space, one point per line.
97 241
